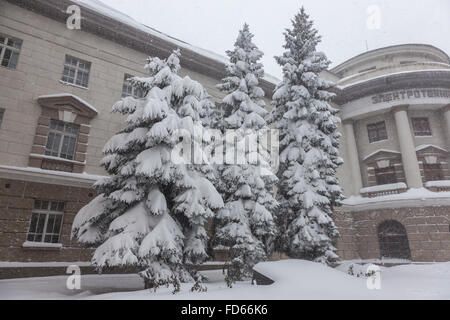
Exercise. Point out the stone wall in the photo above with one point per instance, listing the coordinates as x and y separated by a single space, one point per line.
427 231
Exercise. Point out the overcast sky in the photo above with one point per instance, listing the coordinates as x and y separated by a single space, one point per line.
345 25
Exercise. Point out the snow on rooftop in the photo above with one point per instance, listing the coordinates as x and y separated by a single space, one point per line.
424 146
112 13
438 183
65 95
378 151
411 194
54 173
384 187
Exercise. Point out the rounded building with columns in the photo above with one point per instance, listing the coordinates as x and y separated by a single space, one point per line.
395 108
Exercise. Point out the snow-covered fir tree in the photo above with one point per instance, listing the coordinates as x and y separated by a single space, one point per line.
151 211
308 189
246 223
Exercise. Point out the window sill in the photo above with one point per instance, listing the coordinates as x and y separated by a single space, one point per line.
8 68
73 85
43 156
41 245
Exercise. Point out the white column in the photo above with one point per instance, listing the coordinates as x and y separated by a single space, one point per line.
409 157
353 158
446 111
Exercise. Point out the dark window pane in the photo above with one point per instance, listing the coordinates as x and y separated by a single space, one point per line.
33 223
13 60
48 238
61 206
55 239
37 204
54 206
50 223
41 223
45 205
6 57
58 221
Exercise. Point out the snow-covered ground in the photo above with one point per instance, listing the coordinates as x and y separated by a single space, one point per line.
294 279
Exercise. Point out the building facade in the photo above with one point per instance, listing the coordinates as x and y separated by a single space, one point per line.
57 87
395 108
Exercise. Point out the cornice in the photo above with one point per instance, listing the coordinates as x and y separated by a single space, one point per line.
407 80
126 35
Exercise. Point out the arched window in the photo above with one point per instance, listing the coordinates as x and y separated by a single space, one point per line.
393 240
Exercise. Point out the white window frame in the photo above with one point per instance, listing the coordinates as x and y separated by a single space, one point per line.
47 212
76 69
61 141
4 46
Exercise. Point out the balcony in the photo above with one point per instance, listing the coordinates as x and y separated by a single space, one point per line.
384 190
438 186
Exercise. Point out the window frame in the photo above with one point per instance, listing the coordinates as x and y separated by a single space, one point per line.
429 170
385 172
63 134
417 130
31 236
5 46
77 70
127 86
375 127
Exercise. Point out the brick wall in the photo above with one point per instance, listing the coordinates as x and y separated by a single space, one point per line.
16 204
427 230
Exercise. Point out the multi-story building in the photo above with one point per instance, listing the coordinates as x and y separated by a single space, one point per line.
395 107
58 86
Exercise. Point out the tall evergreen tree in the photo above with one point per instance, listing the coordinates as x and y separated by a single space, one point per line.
308 188
151 211
246 223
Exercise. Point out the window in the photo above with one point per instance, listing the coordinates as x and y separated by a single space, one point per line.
129 90
432 172
9 51
421 126
46 221
61 140
377 131
385 175
76 71
393 240
2 112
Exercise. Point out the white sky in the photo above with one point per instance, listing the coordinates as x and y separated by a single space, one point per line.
213 24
